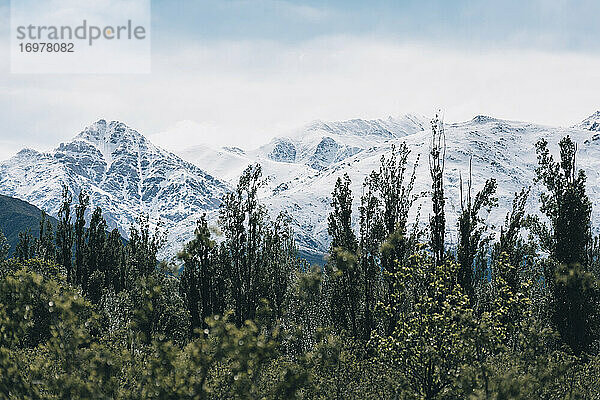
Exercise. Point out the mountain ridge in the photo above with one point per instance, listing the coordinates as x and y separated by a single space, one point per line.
127 175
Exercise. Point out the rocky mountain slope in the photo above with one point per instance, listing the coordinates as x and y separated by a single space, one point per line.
124 174
19 216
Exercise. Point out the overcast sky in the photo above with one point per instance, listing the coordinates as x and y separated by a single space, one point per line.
239 72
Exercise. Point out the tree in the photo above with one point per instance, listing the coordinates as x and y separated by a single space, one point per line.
340 219
4 247
343 271
258 254
575 299
202 282
575 291
157 312
114 259
472 239
565 203
511 247
64 235
45 249
25 249
385 239
437 222
142 249
242 220
81 273
280 254
372 232
431 340
94 261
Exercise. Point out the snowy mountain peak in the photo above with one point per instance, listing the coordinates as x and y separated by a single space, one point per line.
483 119
27 152
113 132
591 123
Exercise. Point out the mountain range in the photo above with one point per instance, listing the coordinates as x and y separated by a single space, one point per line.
127 175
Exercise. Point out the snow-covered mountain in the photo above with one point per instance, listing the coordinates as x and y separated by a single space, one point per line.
591 123
124 174
302 167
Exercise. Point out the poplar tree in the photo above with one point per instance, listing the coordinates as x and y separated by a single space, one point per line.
575 291
45 244
437 222
95 262
343 270
472 239
64 236
80 209
200 279
242 220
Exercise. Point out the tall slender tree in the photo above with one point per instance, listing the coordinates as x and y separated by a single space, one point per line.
242 220
115 261
80 248
45 248
199 283
372 233
95 248
437 221
64 235
345 276
472 239
566 203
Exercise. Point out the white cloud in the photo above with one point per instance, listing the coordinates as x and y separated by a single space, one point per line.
243 93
